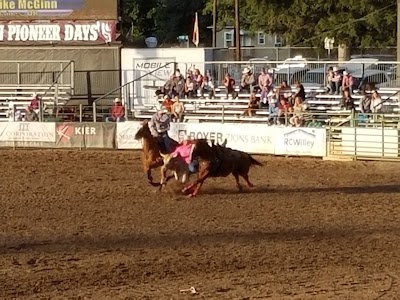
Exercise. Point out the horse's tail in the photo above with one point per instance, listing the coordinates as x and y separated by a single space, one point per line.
255 162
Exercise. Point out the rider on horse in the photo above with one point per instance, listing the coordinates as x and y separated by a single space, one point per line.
159 126
185 151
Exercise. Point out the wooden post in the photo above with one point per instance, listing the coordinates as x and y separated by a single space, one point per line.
214 38
237 31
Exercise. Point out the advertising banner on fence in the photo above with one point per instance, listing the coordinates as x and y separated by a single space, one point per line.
85 135
27 132
300 141
252 138
126 135
58 9
88 31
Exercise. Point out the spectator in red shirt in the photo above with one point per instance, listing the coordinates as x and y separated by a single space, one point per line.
347 82
283 108
117 112
167 103
35 103
229 84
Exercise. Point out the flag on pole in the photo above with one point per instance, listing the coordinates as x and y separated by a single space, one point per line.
195 39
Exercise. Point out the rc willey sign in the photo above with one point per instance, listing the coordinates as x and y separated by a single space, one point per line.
301 141
103 31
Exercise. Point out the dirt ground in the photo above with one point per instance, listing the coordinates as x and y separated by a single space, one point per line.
85 225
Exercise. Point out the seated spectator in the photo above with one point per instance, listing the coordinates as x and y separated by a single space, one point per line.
198 80
117 112
347 82
207 87
347 101
179 85
336 80
329 81
252 106
247 80
298 110
190 87
272 104
169 86
35 103
31 115
365 104
300 92
167 103
178 109
229 84
284 90
281 111
264 83
376 102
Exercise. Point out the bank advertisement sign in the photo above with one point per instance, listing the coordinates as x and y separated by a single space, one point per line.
58 9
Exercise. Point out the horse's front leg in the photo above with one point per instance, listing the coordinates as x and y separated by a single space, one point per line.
197 185
150 178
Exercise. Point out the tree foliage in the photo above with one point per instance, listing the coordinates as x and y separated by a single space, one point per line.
362 23
357 23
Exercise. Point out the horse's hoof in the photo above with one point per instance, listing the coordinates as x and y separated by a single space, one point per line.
191 196
250 185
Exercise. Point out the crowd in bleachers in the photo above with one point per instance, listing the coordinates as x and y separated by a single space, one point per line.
278 103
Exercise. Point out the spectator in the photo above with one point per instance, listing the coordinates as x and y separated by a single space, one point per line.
167 103
31 115
376 102
190 87
35 103
336 80
347 82
252 106
198 80
300 92
365 104
229 84
329 81
298 112
178 109
179 84
247 80
284 91
264 83
281 111
117 112
272 105
207 87
169 86
347 101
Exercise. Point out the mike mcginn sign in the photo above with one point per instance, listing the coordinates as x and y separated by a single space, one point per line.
60 31
58 9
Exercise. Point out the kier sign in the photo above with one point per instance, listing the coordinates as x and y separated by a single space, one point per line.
58 32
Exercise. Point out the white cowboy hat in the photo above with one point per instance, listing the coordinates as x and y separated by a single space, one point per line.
117 100
335 69
166 96
246 70
345 73
34 94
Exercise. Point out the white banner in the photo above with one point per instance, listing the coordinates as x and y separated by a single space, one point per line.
28 132
251 138
300 141
126 135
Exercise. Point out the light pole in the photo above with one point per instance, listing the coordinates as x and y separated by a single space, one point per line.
214 37
398 43
237 30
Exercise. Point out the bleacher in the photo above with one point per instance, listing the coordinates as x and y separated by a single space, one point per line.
19 97
322 107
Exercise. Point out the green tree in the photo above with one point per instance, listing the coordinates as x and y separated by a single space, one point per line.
360 23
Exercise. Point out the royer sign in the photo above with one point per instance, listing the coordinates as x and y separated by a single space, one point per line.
55 32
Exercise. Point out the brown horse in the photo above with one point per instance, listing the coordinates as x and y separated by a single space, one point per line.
218 161
151 157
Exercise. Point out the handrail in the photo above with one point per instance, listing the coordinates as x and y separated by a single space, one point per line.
58 77
130 82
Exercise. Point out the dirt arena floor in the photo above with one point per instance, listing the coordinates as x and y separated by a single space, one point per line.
85 225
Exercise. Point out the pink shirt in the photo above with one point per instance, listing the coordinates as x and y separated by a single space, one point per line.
264 80
347 81
185 151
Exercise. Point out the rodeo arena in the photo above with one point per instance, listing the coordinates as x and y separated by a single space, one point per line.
166 173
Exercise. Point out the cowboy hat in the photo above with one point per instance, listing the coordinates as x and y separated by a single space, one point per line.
246 70
345 73
117 100
335 69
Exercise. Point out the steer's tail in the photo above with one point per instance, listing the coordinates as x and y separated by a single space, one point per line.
255 162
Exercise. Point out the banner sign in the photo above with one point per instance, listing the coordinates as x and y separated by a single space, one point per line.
91 31
27 132
126 135
252 138
300 141
58 9
85 135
